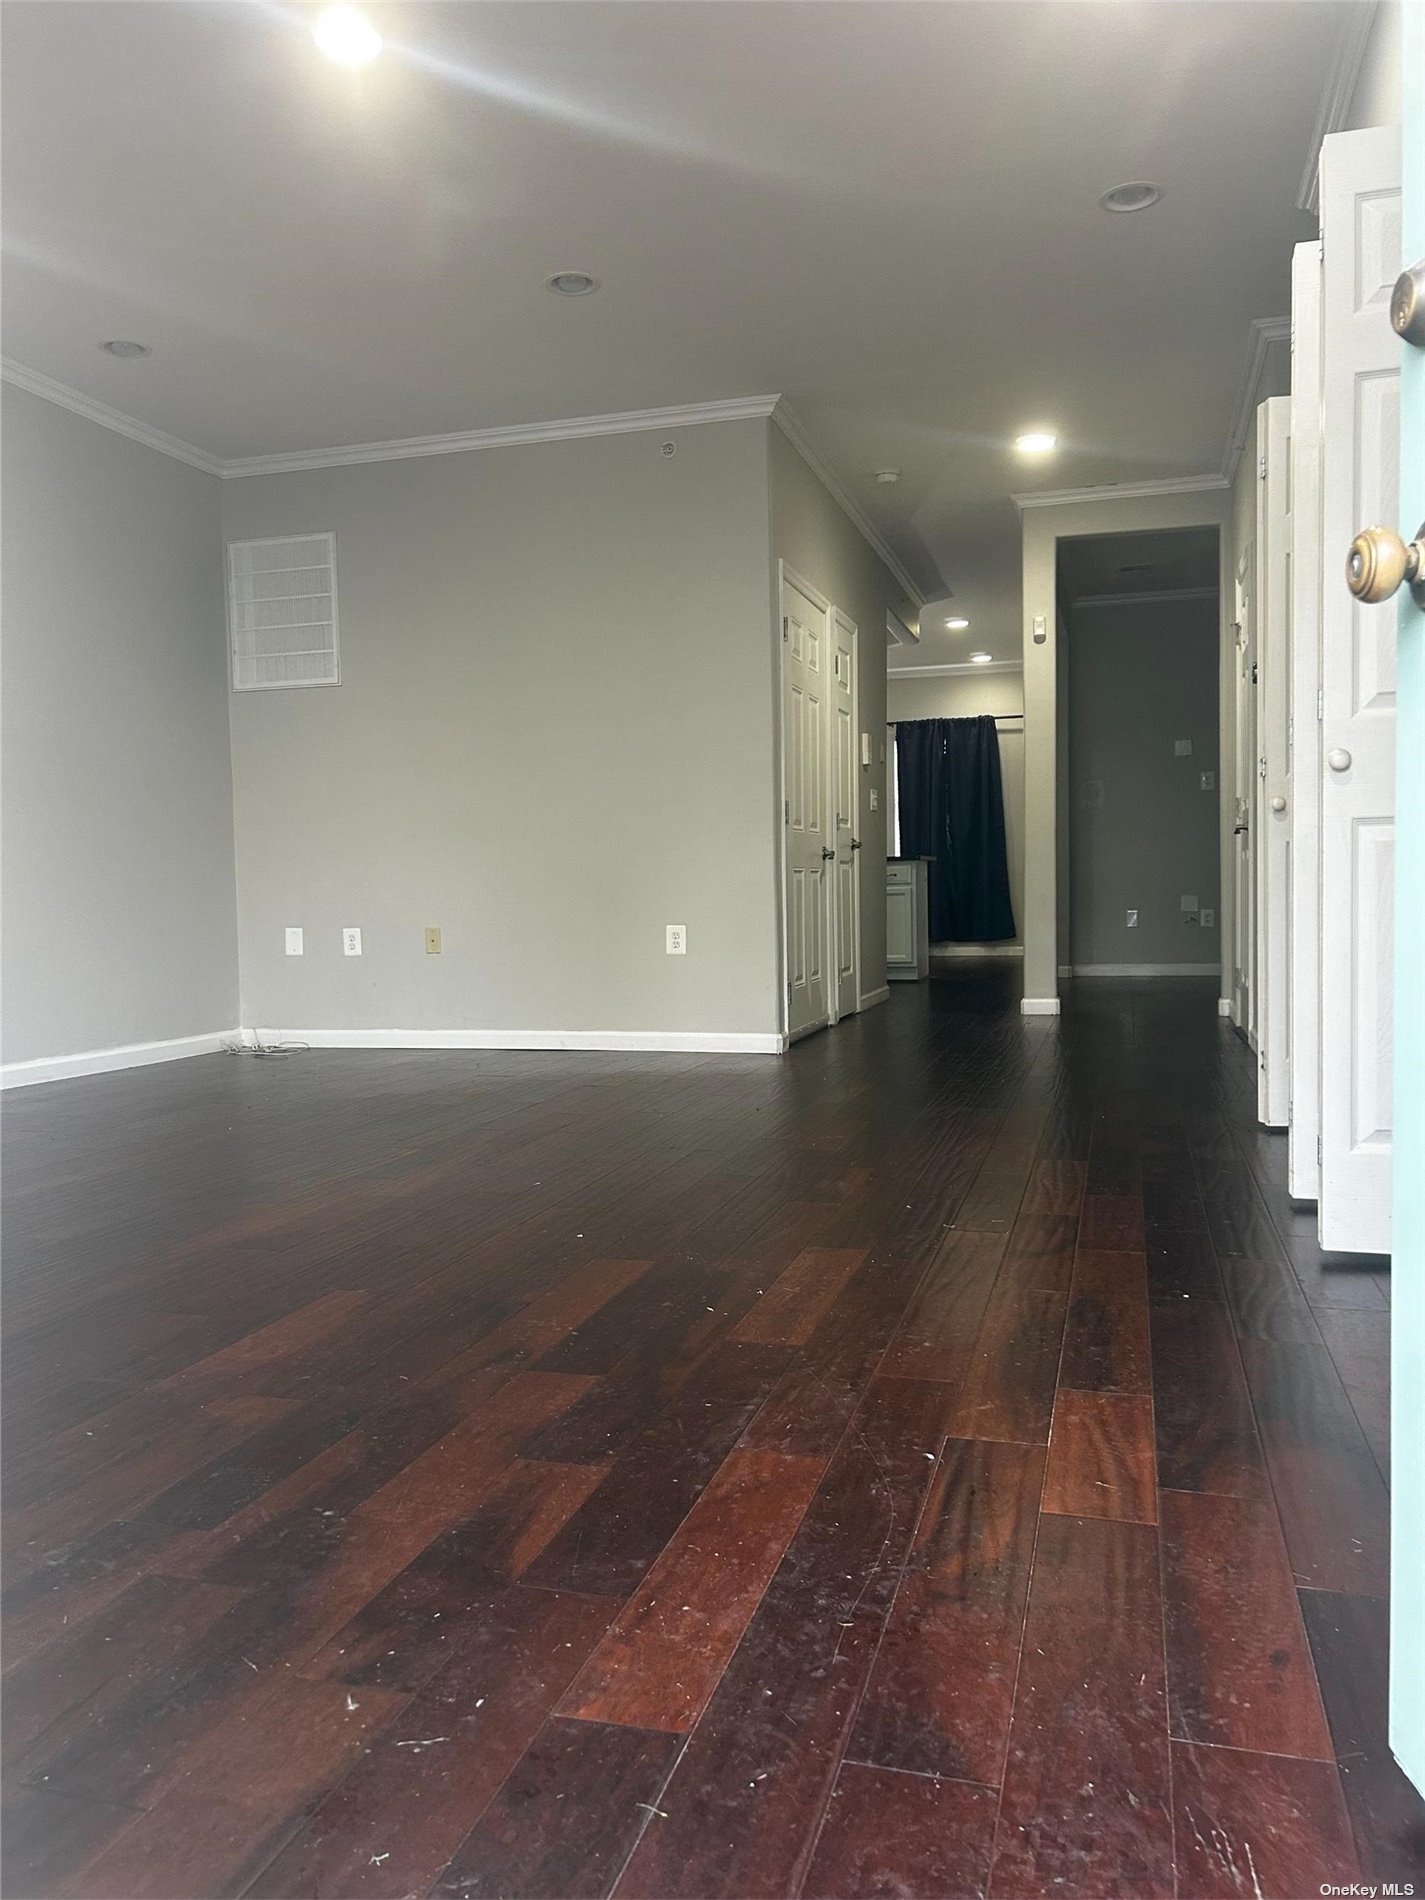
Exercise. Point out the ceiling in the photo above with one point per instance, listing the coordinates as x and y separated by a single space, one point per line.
888 212
1182 560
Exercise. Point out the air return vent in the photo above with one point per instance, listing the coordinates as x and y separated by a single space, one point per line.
282 612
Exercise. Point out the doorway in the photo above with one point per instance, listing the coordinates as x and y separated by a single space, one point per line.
1140 833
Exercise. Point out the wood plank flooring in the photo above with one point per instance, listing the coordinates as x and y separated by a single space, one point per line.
938 1463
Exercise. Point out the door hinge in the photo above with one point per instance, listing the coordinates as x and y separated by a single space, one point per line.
1261 468
1262 767
1319 700
786 811
786 626
1318 1151
1290 734
1254 672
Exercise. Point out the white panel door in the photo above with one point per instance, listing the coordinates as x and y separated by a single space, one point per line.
805 640
1360 481
1244 764
1273 784
843 898
1304 793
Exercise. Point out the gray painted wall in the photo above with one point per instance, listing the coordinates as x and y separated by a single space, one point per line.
118 858
1141 677
554 736
1376 99
814 536
965 696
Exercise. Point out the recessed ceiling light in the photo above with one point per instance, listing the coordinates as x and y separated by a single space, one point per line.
1036 442
121 346
981 659
1135 197
957 623
346 36
886 475
571 283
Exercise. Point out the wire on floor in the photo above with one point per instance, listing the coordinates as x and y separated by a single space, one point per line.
265 1048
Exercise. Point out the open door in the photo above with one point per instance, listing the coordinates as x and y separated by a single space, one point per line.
843 901
805 639
1304 732
1361 253
1271 785
1244 719
1407 1426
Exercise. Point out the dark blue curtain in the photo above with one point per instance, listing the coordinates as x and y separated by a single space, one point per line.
952 812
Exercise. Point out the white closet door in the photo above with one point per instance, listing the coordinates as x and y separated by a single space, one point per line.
1273 780
805 631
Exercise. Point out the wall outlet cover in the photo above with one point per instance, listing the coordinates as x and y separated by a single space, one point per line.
875 799
1132 920
1208 781
432 940
351 941
1208 919
293 936
677 940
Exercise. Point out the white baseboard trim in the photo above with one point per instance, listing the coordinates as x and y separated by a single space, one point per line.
882 995
129 1055
638 1041
976 950
1147 969
1224 1006
1039 1006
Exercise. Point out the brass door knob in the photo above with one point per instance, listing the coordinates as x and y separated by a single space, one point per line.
1407 305
1379 561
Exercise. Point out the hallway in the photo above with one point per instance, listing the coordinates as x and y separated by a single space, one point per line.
557 1475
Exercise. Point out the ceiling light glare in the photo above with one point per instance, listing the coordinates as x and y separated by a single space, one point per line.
886 476
346 36
957 623
125 347
571 283
1036 442
981 659
1135 197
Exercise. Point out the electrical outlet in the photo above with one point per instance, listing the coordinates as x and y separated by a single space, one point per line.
1208 781
1208 919
1132 920
677 940
432 941
293 935
351 941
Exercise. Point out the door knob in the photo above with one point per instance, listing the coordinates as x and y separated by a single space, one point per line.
1407 305
1379 561
855 844
1339 759
827 853
1278 804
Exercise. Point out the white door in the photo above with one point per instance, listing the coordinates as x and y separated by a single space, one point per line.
1360 479
1244 769
1272 854
805 639
842 894
1304 792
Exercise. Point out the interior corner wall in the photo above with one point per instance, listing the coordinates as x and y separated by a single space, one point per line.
1043 528
118 860
967 696
815 537
1143 676
553 737
1377 96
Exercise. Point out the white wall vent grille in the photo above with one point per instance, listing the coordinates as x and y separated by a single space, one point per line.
282 612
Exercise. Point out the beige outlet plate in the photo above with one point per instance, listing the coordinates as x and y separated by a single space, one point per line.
432 941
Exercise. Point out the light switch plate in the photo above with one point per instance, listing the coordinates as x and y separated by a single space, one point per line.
1208 919
293 936
432 940
875 799
1132 920
1208 781
351 941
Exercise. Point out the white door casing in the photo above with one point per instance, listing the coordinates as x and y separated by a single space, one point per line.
1272 854
1304 793
805 642
842 780
1244 764
1361 256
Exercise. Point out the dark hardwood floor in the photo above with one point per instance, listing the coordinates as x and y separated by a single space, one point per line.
939 1463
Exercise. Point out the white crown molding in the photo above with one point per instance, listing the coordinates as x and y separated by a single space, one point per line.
1143 598
1264 332
517 435
131 1055
649 1041
94 411
944 672
1118 491
1347 59
566 429
786 420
